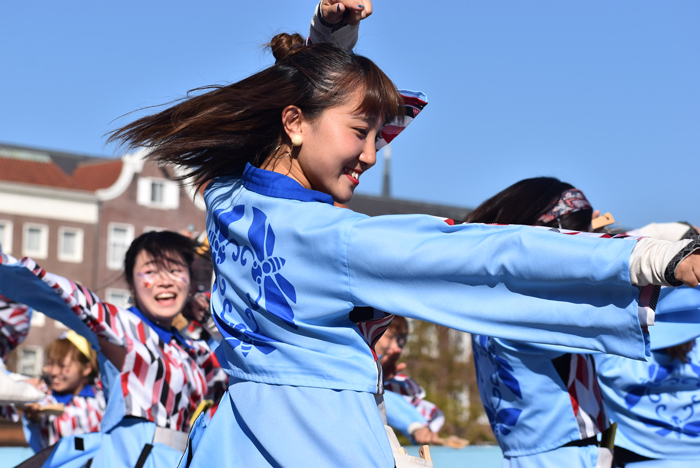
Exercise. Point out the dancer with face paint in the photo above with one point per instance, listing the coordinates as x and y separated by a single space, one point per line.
154 378
295 275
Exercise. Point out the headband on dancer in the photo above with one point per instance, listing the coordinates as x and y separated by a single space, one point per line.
570 201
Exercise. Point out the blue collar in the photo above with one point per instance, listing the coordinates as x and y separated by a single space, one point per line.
278 185
165 335
65 398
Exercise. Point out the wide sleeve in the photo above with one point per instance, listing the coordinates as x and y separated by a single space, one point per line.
61 299
513 282
402 415
14 325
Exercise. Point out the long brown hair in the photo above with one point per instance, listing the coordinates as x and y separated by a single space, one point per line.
216 133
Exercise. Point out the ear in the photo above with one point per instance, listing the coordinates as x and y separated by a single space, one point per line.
292 118
87 370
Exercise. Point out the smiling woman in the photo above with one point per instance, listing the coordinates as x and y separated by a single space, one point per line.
299 280
154 377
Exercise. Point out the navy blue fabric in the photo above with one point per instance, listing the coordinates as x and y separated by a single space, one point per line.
277 185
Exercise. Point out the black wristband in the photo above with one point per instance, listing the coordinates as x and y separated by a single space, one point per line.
670 274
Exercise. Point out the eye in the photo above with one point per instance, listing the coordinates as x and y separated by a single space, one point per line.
361 131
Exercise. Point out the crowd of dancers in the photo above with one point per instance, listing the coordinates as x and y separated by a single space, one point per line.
584 343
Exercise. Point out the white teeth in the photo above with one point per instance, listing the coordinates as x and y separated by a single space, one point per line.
354 174
165 296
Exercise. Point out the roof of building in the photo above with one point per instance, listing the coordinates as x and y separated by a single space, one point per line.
57 169
374 206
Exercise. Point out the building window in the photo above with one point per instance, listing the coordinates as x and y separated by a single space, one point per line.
6 236
158 193
118 240
36 241
118 297
157 189
30 360
70 244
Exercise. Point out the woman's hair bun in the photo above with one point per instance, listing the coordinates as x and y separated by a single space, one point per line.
283 45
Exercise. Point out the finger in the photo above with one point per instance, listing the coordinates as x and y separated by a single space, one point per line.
333 11
357 13
400 367
688 271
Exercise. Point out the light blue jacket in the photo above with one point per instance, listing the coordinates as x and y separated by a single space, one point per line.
656 404
293 273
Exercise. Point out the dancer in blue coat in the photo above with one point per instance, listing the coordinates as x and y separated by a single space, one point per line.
295 275
656 403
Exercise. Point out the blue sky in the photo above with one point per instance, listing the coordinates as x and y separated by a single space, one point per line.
602 94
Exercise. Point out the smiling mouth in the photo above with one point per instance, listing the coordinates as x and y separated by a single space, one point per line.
353 175
163 297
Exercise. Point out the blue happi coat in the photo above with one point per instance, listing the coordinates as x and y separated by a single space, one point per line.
291 268
538 399
296 278
656 404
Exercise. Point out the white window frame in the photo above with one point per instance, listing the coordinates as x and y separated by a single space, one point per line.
37 365
43 251
76 257
171 193
6 238
113 264
111 292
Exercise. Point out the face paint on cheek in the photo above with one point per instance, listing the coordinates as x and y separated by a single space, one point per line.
146 280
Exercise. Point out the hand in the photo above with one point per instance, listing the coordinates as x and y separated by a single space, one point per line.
32 412
390 367
196 308
349 11
424 436
688 271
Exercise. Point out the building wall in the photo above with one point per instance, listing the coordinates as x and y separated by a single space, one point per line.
44 330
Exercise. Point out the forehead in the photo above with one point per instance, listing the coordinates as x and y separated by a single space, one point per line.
144 258
353 107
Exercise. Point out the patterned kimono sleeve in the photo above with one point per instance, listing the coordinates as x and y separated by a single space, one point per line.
14 325
216 378
61 299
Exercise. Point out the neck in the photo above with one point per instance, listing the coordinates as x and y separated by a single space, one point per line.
79 388
286 165
163 323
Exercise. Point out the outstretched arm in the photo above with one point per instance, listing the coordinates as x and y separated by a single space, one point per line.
513 282
61 299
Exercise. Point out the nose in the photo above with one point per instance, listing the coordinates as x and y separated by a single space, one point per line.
368 158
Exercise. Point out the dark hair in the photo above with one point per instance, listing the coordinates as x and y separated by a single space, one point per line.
218 132
680 351
161 246
398 322
525 201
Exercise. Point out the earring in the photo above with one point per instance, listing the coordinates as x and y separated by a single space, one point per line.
288 153
296 140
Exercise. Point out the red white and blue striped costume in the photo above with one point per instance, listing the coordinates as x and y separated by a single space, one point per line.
14 325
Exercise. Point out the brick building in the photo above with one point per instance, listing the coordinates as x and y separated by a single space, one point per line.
76 215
